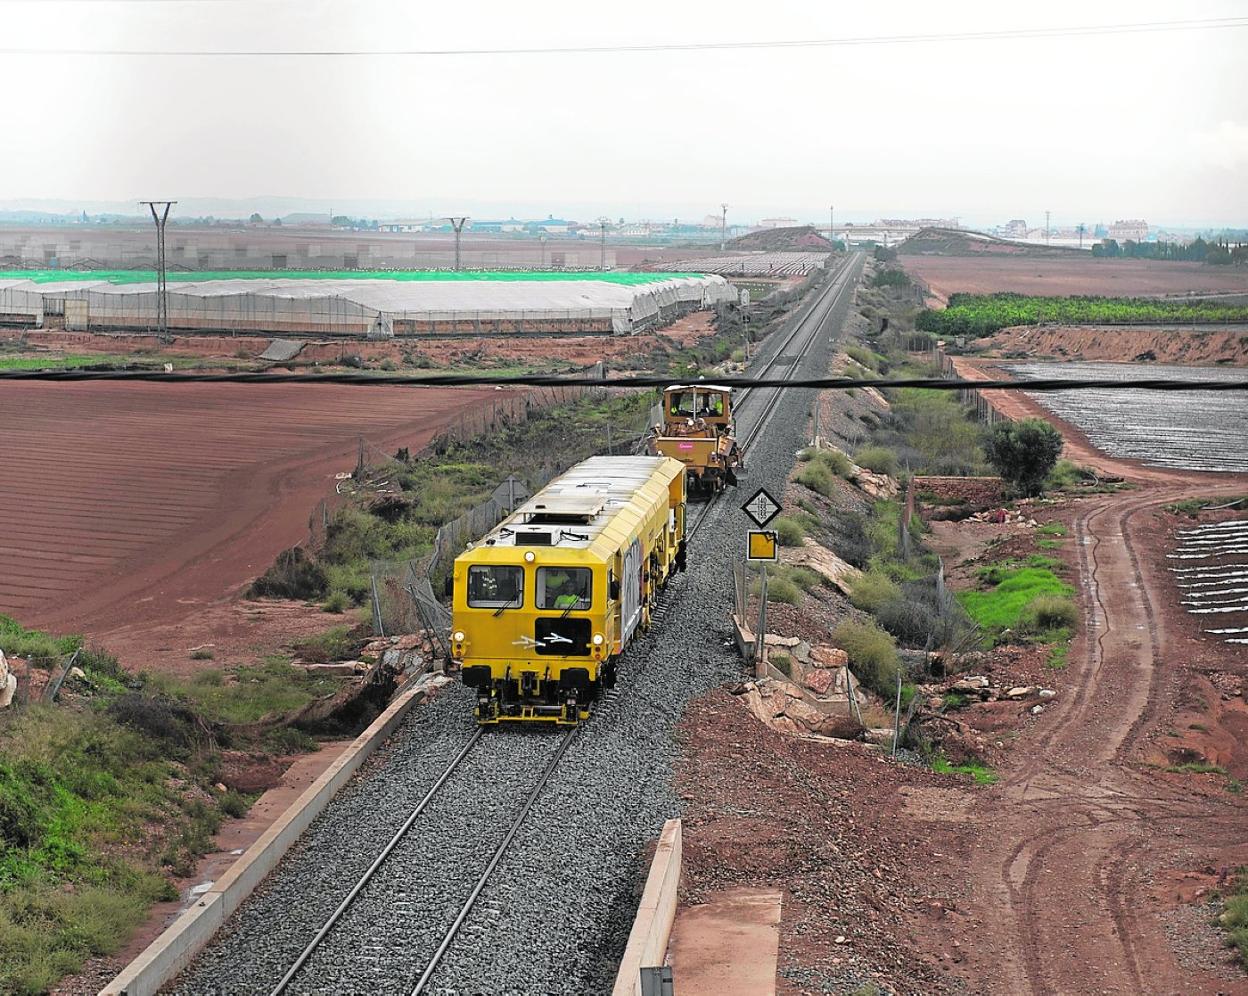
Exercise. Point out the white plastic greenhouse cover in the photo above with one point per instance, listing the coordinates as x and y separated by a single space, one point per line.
625 305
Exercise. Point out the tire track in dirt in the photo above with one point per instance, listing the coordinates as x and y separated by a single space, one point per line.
1077 824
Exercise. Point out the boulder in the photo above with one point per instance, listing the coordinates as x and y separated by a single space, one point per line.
825 657
823 562
819 680
1021 692
1047 693
969 683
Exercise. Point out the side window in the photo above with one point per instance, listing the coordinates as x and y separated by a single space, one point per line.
564 588
495 587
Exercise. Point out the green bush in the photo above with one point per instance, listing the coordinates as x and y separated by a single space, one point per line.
836 461
782 663
816 476
872 654
878 459
292 575
872 590
1048 613
337 603
862 356
782 590
790 531
1024 452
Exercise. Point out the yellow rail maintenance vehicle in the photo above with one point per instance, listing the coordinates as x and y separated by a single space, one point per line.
545 603
698 430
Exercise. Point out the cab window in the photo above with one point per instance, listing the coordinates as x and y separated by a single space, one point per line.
564 588
495 586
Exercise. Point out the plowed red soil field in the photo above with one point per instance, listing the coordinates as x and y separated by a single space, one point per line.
125 504
947 275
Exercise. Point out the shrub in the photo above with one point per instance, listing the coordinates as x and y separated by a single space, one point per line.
235 804
878 459
912 621
1047 613
202 654
864 357
292 575
336 603
816 476
782 663
790 531
872 590
783 590
836 461
1024 452
872 653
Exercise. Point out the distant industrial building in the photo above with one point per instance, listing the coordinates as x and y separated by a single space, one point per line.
1015 228
1136 230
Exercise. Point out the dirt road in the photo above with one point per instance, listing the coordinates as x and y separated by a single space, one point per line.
1081 844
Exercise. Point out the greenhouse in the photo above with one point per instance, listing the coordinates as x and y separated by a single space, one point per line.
380 303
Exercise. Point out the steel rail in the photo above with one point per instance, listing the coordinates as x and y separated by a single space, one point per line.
377 863
449 938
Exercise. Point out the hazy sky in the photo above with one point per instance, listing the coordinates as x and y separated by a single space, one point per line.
1151 125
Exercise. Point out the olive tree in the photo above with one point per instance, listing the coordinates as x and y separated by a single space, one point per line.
1024 452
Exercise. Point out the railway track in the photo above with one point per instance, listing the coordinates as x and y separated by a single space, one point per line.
351 952
424 907
789 352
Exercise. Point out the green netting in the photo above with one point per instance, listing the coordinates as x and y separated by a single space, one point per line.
149 276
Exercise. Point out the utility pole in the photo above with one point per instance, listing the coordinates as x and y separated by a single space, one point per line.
603 222
458 224
723 226
162 301
1081 229
1046 228
542 241
831 225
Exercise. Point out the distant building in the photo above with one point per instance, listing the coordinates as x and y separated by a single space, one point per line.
1135 230
1016 228
778 223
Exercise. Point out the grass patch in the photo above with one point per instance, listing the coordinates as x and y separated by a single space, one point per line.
1059 656
1196 768
1010 590
1051 529
981 773
247 694
1234 916
786 584
873 590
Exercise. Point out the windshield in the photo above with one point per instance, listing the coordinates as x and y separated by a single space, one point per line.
567 588
495 587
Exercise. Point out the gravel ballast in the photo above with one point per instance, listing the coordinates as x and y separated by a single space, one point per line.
555 917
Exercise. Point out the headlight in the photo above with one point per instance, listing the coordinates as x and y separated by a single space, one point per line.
597 639
528 557
458 636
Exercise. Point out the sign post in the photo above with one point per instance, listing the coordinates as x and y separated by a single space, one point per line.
762 545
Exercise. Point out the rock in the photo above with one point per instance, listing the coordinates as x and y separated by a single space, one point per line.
1021 692
343 668
828 657
819 680
77 672
825 563
807 715
1037 709
1047 693
970 683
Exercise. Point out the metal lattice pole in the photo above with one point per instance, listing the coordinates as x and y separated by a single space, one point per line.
160 217
458 224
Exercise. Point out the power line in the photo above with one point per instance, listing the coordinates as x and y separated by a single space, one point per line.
560 380
1005 34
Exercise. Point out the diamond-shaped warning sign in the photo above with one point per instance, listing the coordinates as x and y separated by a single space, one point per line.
761 507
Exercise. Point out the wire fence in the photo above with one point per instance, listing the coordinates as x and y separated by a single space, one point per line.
408 595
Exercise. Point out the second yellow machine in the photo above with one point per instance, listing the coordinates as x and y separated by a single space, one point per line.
546 602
